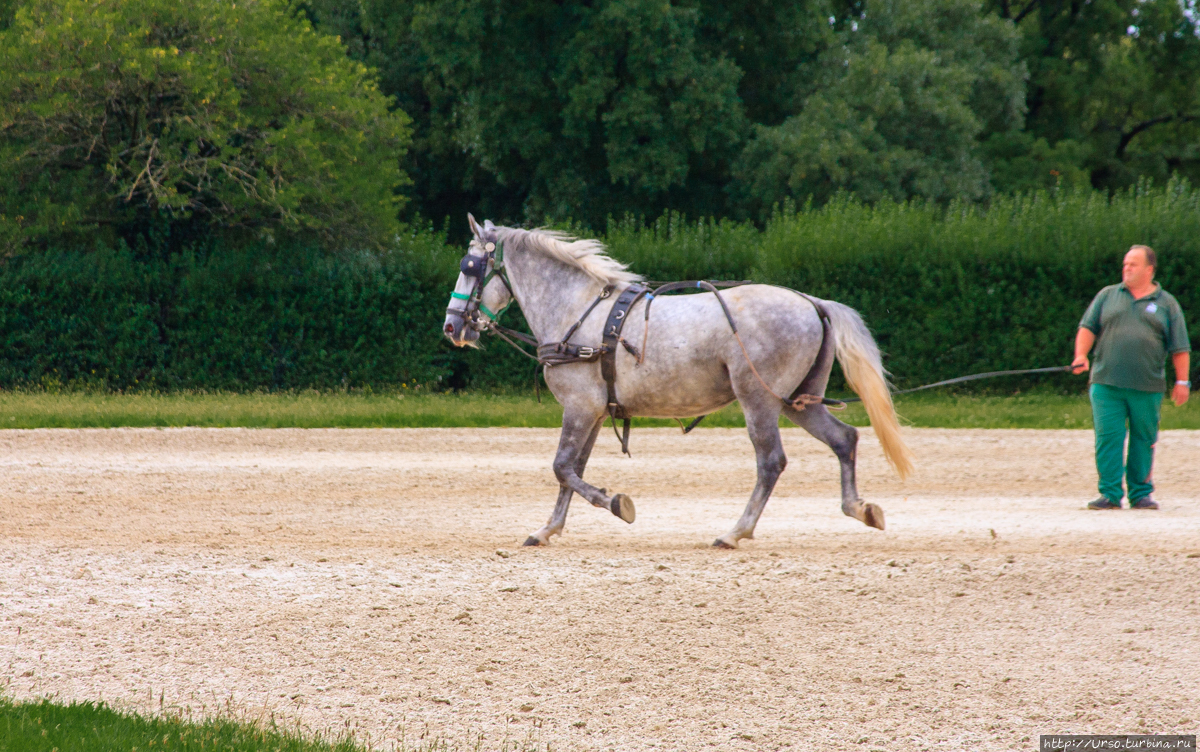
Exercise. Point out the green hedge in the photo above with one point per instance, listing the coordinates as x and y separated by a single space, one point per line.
947 292
951 291
223 319
966 291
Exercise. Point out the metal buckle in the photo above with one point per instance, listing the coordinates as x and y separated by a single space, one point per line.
587 352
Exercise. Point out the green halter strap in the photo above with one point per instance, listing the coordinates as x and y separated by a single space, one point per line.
498 270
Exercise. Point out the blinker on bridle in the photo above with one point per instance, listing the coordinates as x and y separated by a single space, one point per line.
477 267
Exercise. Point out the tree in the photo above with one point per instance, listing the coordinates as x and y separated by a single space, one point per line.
519 105
897 110
1114 92
532 110
8 9
118 117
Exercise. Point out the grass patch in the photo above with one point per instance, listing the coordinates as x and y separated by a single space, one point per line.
308 409
35 409
45 726
1025 410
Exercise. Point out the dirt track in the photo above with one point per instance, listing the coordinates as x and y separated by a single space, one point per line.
374 579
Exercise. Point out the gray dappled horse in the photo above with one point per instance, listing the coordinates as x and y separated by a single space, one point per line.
692 363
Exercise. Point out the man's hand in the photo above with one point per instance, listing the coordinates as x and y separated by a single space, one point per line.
1084 339
1179 395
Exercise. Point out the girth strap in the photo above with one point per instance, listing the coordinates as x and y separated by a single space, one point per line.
608 357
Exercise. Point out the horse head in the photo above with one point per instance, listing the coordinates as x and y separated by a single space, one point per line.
482 291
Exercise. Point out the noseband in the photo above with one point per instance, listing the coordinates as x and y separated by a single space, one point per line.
482 269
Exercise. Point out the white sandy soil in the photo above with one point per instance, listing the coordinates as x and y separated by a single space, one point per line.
374 580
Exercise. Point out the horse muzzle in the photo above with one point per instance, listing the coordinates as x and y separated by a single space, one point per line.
458 332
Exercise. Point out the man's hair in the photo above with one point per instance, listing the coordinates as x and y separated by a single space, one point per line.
1151 259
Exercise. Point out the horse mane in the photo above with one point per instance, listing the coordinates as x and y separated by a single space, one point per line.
589 256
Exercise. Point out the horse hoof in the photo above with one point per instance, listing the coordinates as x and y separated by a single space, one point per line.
719 543
532 541
873 516
622 506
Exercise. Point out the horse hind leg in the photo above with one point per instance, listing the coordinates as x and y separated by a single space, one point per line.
558 519
762 423
843 440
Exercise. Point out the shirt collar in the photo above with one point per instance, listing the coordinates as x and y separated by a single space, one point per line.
1147 296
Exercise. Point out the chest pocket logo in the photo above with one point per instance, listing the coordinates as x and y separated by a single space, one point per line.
1151 308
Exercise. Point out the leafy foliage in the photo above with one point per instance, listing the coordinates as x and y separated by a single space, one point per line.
533 110
538 111
172 175
119 117
175 120
279 317
897 113
1114 91
946 291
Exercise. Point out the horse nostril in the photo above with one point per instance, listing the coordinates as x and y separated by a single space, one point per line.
449 328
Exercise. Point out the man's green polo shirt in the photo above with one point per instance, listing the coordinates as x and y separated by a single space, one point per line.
1134 337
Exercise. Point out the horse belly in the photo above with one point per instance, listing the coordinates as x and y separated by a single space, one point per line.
682 374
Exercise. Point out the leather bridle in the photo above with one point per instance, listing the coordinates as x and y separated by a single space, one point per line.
482 269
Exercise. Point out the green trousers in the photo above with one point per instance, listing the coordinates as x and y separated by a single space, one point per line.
1112 409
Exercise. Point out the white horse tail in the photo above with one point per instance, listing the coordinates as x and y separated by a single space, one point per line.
858 353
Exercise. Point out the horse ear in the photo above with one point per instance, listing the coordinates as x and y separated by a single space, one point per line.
476 230
488 226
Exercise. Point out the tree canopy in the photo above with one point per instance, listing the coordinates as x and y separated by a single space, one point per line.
1114 88
895 110
263 116
530 109
120 116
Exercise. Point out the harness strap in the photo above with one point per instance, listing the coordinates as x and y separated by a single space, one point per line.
688 428
821 364
617 316
561 353
799 398
564 352
607 291
664 287
554 353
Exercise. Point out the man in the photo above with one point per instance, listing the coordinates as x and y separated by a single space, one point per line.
1133 325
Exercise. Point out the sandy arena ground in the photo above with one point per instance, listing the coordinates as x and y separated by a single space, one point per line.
374 580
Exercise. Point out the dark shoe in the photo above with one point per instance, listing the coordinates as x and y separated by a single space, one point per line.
1144 503
1103 503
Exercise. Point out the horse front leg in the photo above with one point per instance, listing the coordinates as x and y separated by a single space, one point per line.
843 440
762 423
558 519
578 428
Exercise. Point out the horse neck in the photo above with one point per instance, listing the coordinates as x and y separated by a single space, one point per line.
552 295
